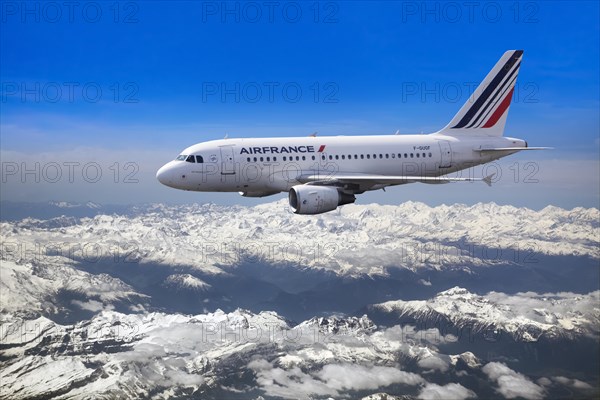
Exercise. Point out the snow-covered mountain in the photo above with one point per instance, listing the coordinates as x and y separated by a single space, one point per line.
126 355
186 282
358 239
244 355
130 304
524 316
13 211
51 288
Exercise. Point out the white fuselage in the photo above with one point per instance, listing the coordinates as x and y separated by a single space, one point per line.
263 166
323 173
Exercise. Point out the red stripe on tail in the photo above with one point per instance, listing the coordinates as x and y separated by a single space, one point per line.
500 110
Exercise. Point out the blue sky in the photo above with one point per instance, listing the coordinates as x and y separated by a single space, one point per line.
137 82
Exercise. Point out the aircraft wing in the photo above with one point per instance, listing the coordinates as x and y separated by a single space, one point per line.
341 179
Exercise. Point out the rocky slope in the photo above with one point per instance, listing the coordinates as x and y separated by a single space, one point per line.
523 316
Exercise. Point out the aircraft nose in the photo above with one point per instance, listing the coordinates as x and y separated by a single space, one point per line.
163 175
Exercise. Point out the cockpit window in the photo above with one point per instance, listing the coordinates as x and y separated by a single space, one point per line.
199 159
181 157
190 159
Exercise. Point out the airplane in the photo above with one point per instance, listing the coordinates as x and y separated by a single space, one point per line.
323 173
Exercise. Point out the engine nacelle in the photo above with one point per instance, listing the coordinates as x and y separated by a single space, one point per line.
310 199
257 194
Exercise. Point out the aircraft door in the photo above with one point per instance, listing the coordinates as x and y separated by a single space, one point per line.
227 160
446 151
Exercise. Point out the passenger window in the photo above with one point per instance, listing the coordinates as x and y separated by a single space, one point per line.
313 157
343 156
190 159
368 156
284 158
429 154
303 158
356 156
381 156
274 158
248 159
297 158
387 156
374 155
417 155
330 157
399 155
362 156
393 155
262 159
255 159
337 157
411 155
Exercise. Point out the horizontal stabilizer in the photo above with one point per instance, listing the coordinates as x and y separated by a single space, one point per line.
500 149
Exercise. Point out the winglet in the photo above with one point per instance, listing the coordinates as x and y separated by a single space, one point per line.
488 179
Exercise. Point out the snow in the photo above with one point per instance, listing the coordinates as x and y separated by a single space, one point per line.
358 239
155 354
42 374
187 281
133 355
28 288
526 316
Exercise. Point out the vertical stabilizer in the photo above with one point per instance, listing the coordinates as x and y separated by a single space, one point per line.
484 114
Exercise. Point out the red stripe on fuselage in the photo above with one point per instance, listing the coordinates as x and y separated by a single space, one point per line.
321 149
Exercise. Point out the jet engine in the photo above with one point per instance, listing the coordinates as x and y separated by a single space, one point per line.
310 199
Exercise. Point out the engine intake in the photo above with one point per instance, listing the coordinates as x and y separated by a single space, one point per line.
309 199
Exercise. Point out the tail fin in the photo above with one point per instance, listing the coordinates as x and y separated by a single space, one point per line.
484 114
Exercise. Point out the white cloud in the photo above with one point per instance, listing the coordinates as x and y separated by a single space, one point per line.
561 379
92 305
450 391
512 384
543 381
357 377
331 380
291 384
433 363
581 385
182 378
574 383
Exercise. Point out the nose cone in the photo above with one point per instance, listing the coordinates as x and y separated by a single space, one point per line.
164 175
